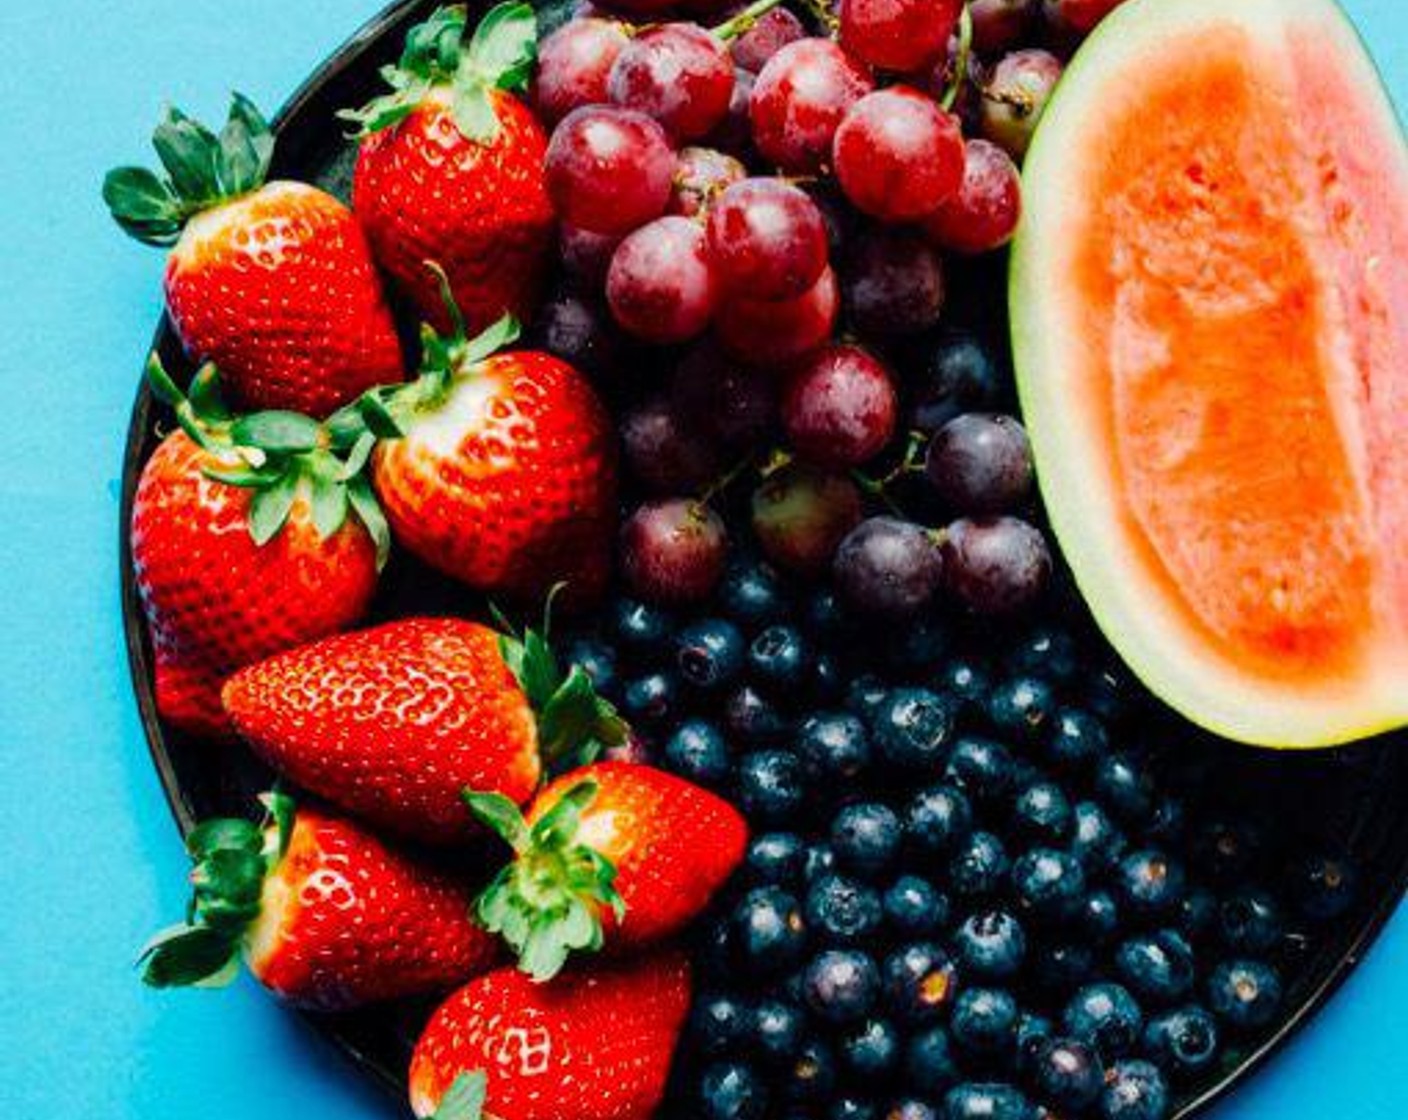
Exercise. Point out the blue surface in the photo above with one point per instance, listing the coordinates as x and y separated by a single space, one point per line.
91 860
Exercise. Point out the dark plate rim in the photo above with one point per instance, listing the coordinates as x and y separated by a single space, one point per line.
389 20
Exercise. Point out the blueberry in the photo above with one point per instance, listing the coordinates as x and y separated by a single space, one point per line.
752 720
965 679
865 696
1068 1074
866 837
1098 917
853 1108
1096 841
719 1024
918 649
870 1049
769 932
841 985
698 753
929 1064
1077 739
990 945
651 700
1022 708
1184 1042
1042 813
918 982
1033 1033
842 909
597 660
1249 921
1126 786
732 1091
912 728
1149 882
812 1075
936 821
985 1101
778 1030
914 907
1048 883
1134 1090
779 658
1105 1016
1047 653
984 1021
982 767
911 1108
1059 967
751 594
1225 849
963 374
709 654
641 630
1245 994
828 683
770 788
1323 886
1157 967
978 866
1196 913
832 746
820 860
775 858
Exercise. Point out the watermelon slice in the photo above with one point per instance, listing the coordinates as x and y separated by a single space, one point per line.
1209 299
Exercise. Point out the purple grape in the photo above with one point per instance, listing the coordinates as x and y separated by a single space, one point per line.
801 514
995 565
578 333
673 551
731 404
980 463
893 283
888 568
663 452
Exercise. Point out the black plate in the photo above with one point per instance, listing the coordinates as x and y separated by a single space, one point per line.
1355 796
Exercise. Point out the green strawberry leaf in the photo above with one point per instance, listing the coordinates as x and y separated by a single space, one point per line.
472 109
276 431
223 834
504 331
368 510
246 148
281 809
143 205
576 721
497 812
464 1099
190 153
270 507
329 500
558 826
185 955
205 398
504 46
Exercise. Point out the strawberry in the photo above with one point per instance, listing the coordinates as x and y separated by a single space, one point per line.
451 167
242 545
271 281
325 915
392 723
499 469
592 1045
614 850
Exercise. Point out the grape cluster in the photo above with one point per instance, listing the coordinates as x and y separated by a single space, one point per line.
983 881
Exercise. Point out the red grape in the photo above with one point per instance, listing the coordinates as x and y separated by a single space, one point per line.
900 35
799 99
677 73
898 155
995 565
767 239
893 283
573 64
665 453
839 407
888 568
801 514
609 170
660 285
585 255
735 131
724 400
770 32
766 332
701 175
1014 95
999 25
983 215
673 551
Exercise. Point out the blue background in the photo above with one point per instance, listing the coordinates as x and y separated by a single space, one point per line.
91 862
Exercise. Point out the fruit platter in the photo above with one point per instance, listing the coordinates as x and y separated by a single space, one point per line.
783 561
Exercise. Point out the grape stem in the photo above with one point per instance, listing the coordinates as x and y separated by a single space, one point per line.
960 61
822 12
725 480
744 20
880 487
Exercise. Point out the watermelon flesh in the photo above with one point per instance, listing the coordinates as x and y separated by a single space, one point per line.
1210 320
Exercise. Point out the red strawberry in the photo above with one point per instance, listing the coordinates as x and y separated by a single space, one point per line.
234 561
273 282
325 915
498 469
616 844
451 168
393 723
593 1045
